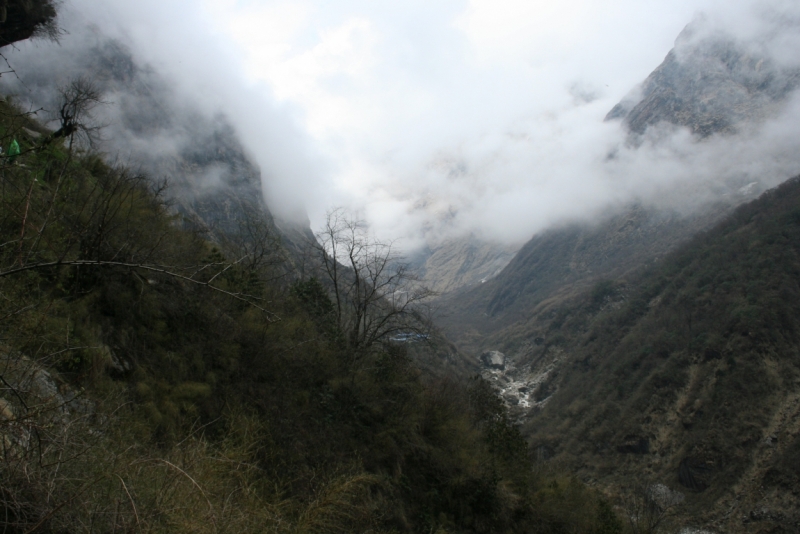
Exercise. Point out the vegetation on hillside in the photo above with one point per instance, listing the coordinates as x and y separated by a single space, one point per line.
23 19
564 262
152 381
685 373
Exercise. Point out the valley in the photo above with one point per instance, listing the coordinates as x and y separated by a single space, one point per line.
630 397
181 352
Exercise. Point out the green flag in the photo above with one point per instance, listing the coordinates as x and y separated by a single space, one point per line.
13 151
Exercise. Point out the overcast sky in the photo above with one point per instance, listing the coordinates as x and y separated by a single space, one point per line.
438 118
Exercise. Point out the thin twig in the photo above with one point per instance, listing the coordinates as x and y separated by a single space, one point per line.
52 512
133 504
193 481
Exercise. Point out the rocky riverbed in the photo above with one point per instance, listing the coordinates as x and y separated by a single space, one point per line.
522 388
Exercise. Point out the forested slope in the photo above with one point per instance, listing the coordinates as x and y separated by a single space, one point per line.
561 262
685 374
155 381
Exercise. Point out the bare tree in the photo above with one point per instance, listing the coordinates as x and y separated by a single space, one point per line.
375 293
77 101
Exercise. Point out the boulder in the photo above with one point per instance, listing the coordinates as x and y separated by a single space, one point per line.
493 359
664 497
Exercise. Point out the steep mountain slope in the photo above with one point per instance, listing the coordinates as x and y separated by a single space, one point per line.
210 178
561 261
658 349
687 374
710 83
153 383
462 262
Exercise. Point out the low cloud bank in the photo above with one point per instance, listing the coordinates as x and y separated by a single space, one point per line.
170 82
436 121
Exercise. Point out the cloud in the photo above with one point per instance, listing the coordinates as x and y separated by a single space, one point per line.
486 116
435 119
199 69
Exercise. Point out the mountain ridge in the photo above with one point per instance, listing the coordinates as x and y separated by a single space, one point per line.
636 350
687 373
709 83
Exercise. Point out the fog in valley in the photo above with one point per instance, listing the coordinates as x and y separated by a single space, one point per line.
430 121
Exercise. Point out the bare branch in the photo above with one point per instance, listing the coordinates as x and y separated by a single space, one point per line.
375 293
78 99
243 297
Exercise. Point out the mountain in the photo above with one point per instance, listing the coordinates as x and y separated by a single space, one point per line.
213 183
655 351
685 374
157 376
561 261
460 262
709 83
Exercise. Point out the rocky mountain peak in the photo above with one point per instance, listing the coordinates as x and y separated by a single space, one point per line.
709 82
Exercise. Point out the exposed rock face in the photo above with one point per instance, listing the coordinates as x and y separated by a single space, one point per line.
462 262
35 403
214 182
494 359
708 83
